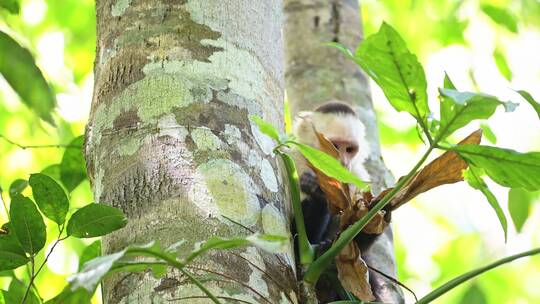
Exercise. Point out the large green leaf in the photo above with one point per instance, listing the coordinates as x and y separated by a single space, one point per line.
328 165
50 197
73 165
504 166
472 175
11 253
519 205
11 6
385 58
68 296
19 69
501 16
16 292
460 108
93 271
27 224
528 97
95 220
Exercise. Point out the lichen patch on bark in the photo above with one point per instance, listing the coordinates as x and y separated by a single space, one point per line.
205 139
268 176
227 190
120 7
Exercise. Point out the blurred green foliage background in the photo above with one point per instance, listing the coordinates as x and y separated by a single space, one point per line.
490 46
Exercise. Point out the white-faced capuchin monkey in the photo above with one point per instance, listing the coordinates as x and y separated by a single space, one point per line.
341 125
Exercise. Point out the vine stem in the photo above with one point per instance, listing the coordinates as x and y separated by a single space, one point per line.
180 266
319 265
471 274
306 250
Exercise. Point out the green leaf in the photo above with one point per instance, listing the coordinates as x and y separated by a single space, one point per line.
27 224
473 178
68 296
12 255
328 165
91 252
519 205
53 171
265 127
502 64
16 291
270 243
458 109
19 69
11 6
385 58
17 187
73 165
474 294
95 220
50 197
501 16
528 97
506 167
93 271
488 134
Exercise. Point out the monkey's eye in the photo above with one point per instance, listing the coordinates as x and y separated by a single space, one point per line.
351 149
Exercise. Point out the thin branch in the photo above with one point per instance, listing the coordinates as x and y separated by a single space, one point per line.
24 147
34 274
393 280
232 280
205 297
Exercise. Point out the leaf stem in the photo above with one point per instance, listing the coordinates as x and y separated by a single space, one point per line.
178 265
305 248
315 270
471 274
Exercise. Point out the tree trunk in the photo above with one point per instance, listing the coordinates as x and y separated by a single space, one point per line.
316 74
170 143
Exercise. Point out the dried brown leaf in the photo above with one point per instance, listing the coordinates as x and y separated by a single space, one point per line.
336 192
353 272
445 169
357 211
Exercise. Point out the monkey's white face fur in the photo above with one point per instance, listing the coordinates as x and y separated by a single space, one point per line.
346 131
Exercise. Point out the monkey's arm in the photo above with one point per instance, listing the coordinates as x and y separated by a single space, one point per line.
317 217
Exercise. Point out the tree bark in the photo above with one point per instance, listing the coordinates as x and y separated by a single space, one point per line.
316 74
170 143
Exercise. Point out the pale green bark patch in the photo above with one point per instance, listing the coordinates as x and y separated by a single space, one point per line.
119 8
168 126
205 139
225 189
268 176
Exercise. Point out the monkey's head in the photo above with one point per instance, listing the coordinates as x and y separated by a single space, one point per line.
340 124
